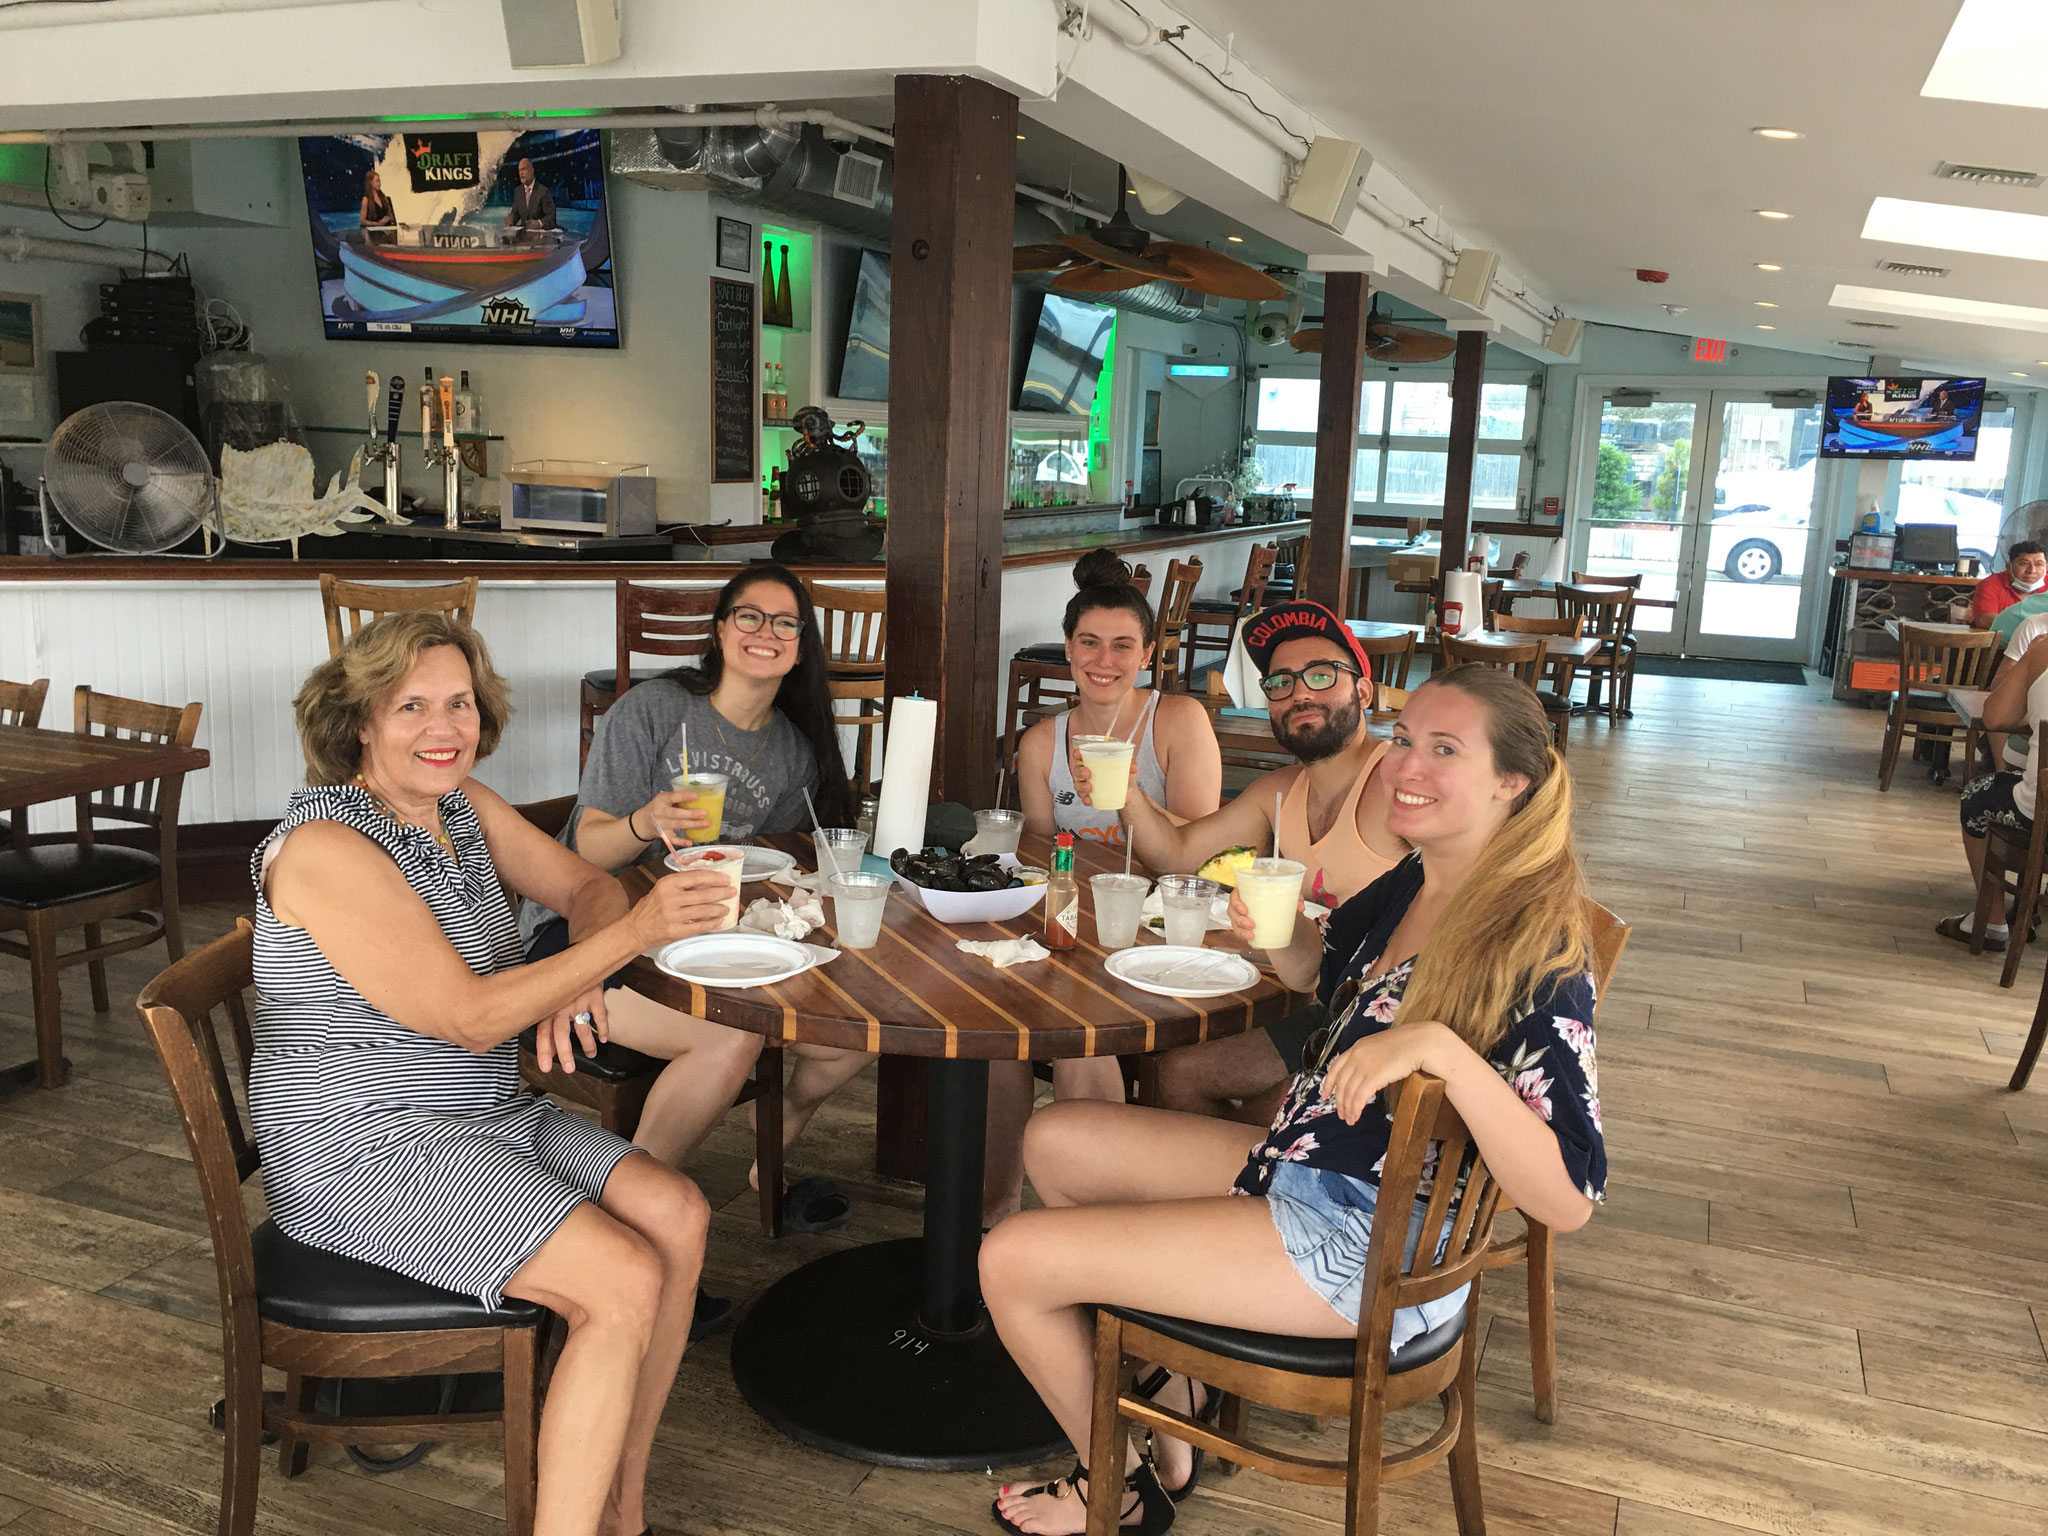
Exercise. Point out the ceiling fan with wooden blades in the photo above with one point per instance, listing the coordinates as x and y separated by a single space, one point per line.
1386 341
1120 255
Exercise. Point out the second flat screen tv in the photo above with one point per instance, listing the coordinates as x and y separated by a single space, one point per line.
1869 418
1066 357
864 367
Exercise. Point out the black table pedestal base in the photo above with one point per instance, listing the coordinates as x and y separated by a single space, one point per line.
834 1355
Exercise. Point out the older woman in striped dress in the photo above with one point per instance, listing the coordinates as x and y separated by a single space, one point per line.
384 1088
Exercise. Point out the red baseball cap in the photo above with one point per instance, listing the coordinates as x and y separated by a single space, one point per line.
1270 628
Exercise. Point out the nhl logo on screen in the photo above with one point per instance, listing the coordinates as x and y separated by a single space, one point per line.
441 162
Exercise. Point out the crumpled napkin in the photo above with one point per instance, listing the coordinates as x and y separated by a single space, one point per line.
1006 952
798 878
784 919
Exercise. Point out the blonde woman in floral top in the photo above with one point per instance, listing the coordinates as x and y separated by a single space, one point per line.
1470 960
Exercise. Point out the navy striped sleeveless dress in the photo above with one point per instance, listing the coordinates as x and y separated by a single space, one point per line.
384 1144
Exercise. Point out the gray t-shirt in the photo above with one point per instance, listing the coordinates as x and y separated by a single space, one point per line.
636 753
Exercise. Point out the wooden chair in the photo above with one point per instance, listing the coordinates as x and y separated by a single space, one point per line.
1392 656
1169 627
2012 876
1634 582
866 723
1205 614
1528 662
1490 600
1930 662
47 888
1534 1247
21 704
1042 684
614 1084
649 621
310 1314
1611 619
1290 570
854 622
1360 1376
1561 670
361 601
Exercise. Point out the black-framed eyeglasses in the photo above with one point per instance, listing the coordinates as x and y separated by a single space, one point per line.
1317 677
783 626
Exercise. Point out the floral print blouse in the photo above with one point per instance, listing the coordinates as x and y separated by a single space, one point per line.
1546 1054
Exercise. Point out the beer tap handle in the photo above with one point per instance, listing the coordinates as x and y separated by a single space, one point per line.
370 397
397 406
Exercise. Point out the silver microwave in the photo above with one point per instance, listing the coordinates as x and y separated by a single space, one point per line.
590 496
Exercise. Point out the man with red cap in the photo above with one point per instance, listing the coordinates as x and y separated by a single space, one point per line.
1333 819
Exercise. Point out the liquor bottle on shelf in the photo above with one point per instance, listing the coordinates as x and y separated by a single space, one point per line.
775 495
785 305
768 283
468 415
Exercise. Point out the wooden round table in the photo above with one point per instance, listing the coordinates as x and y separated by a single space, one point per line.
884 1352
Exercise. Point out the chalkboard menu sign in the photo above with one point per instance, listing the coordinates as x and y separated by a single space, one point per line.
732 381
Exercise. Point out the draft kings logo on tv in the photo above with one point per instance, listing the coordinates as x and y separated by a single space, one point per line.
441 162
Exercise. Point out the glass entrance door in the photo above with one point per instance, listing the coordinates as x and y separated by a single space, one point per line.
1643 497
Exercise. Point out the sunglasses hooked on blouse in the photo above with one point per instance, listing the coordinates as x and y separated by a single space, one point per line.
1317 677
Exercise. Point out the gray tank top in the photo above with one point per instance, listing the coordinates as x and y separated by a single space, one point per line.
1069 814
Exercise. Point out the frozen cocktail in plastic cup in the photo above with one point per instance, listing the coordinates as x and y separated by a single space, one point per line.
1184 902
1108 761
725 858
1271 891
1119 903
858 902
708 792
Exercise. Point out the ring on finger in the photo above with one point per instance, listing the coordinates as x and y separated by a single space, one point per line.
585 1018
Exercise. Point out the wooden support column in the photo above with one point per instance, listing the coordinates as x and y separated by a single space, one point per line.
949 432
1469 374
949 439
1337 401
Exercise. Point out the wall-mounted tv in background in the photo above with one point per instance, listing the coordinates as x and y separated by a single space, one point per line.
1067 353
864 366
434 236
1902 419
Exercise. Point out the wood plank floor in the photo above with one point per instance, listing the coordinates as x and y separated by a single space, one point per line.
1814 1304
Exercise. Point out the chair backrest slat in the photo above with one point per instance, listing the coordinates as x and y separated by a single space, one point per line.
1931 658
360 602
1258 570
22 703
854 623
147 802
1391 657
1607 615
1525 660
661 621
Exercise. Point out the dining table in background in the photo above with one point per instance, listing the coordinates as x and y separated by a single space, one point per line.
884 1352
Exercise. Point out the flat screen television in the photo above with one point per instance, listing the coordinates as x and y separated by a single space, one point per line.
864 366
1068 349
434 236
1902 419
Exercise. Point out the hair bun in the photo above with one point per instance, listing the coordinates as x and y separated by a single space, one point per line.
1101 568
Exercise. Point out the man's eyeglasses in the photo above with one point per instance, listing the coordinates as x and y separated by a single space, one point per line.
783 626
1317 677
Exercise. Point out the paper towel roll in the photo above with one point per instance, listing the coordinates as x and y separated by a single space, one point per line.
906 775
1553 564
1463 588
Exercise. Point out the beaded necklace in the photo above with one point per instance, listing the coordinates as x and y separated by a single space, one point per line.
438 832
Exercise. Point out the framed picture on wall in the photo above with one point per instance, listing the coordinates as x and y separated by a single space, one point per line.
735 245
21 333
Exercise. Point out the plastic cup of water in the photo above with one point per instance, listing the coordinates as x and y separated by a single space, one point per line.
1119 903
1271 891
997 831
858 901
1185 902
839 850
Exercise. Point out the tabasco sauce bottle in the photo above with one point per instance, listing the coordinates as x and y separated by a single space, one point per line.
1062 896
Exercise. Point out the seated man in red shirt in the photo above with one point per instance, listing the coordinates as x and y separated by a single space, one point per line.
2025 573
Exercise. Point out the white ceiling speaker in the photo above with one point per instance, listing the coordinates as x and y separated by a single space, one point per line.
1472 277
552 34
1328 184
1564 336
1155 197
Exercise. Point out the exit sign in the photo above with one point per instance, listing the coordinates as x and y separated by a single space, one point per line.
1705 349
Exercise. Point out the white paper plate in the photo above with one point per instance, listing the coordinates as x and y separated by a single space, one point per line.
1180 970
763 862
736 959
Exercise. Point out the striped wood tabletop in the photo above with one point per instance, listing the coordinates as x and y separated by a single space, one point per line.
38 765
915 994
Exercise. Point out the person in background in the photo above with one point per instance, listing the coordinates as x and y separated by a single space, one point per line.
1469 960
1108 628
376 211
384 1085
2025 574
758 710
1333 818
2005 797
533 206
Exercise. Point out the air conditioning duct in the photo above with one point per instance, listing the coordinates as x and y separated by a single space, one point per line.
787 169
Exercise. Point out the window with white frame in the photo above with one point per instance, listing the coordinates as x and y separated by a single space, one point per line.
1404 421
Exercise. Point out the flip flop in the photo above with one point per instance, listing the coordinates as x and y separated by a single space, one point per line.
1952 928
815 1205
711 1314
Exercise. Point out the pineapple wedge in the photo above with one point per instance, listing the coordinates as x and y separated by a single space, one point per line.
1224 867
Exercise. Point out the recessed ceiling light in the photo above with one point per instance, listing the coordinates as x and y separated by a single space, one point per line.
2019 375
1020 138
1772 213
1765 304
1235 239
1950 227
1767 327
1938 306
1768 266
1993 53
1777 133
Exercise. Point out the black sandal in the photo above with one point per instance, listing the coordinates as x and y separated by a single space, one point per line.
815 1205
1148 1498
1149 1389
1952 928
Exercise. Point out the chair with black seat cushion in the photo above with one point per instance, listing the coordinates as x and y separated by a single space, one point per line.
49 887
21 704
650 621
310 1314
1609 616
1361 1376
1213 621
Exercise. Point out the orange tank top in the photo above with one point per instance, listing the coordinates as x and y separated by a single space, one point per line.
1343 863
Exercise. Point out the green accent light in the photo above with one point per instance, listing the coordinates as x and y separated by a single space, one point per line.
23 164
1100 416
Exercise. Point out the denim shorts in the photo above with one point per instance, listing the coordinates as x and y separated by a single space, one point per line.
1325 1222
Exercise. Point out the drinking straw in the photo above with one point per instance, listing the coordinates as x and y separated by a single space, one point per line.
817 832
1276 824
1002 773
